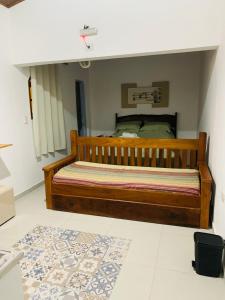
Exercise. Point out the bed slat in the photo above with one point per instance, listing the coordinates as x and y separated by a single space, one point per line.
87 158
81 152
106 155
112 155
168 158
146 159
132 156
153 162
161 158
125 156
93 156
99 154
118 155
193 159
176 158
139 157
184 159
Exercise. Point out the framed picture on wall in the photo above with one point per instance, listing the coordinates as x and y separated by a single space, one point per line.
124 95
144 95
157 94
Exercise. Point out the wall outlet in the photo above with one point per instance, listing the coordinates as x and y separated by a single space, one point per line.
223 196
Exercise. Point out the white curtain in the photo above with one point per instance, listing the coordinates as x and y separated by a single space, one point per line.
48 119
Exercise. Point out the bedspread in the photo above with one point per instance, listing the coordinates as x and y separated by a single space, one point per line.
160 179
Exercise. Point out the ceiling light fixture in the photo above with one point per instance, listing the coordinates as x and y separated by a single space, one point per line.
85 64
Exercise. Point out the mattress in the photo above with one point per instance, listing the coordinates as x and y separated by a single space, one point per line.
128 177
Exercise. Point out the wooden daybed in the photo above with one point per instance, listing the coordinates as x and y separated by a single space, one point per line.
145 205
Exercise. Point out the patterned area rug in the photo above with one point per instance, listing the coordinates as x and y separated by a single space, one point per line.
68 264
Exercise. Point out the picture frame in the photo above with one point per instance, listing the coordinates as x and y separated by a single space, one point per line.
144 95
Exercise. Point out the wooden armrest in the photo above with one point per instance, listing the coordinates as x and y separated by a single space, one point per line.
60 163
205 173
206 192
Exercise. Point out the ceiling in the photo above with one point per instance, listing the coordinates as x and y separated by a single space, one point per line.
10 3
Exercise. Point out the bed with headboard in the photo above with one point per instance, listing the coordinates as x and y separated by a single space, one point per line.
146 125
108 176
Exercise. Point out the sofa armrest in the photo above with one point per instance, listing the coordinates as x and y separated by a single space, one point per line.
206 192
59 164
205 175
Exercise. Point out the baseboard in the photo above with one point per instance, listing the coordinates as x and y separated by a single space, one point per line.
18 196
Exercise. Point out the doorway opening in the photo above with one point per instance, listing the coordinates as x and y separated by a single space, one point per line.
81 108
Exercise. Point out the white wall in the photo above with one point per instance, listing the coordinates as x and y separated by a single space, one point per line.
18 165
181 70
48 30
211 119
68 74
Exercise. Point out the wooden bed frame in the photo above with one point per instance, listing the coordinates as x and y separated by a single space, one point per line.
171 119
150 206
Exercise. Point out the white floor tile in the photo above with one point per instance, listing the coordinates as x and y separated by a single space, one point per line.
183 230
176 251
21 224
128 226
172 285
133 283
144 240
31 202
92 224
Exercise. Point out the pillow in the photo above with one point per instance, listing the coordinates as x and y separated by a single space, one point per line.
156 134
134 125
119 132
159 126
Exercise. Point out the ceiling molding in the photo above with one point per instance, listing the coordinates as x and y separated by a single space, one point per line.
10 3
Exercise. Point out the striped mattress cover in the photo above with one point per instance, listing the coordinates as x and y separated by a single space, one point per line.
160 179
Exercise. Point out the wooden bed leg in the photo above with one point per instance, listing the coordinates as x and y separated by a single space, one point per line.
205 204
48 189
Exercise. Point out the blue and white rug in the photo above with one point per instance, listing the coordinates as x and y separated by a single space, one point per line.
68 264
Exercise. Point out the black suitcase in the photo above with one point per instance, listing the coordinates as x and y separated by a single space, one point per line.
208 254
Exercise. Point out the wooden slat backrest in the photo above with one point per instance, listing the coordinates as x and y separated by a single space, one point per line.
181 144
168 158
153 163
132 156
93 156
184 159
81 152
146 158
106 155
139 157
125 156
170 153
193 158
112 155
176 158
100 154
88 153
118 162
161 158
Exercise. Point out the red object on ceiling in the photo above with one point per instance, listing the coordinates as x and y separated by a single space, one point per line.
10 3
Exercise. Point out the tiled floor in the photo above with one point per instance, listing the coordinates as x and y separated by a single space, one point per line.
157 267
